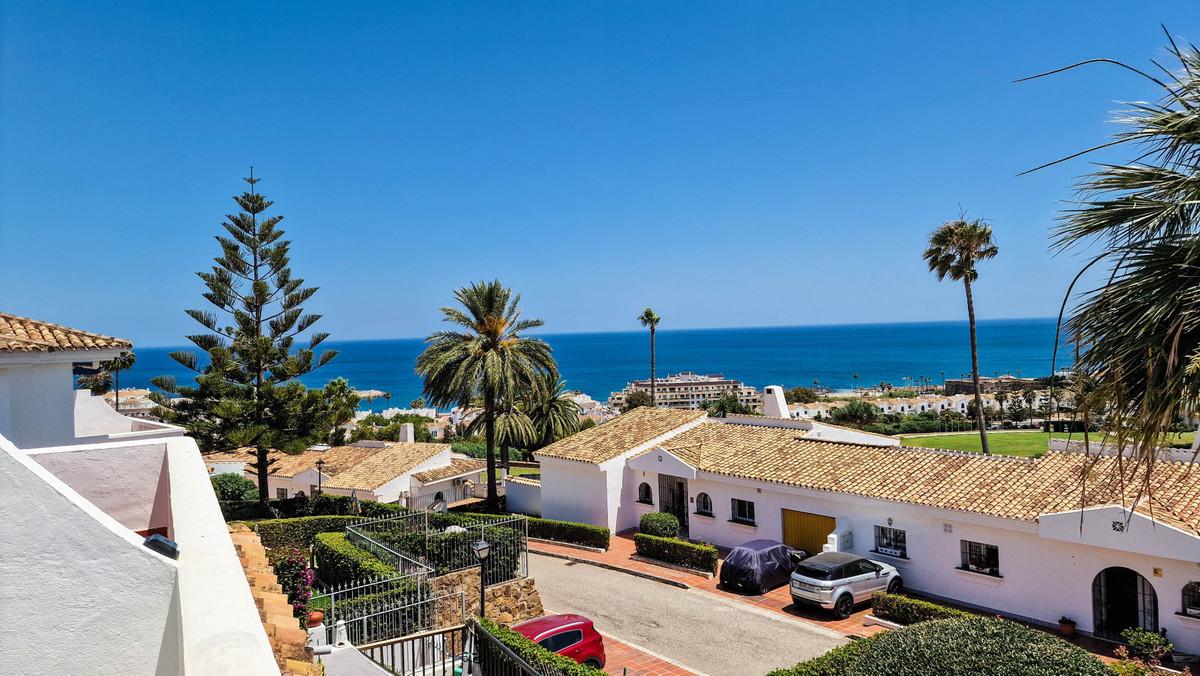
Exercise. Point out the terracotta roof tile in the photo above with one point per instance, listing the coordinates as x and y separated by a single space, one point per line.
620 435
457 467
383 466
21 334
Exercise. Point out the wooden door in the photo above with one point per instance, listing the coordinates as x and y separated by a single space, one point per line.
807 531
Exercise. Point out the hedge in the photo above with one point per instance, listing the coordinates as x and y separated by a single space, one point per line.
405 608
298 532
297 506
956 647
338 560
659 524
535 654
568 531
701 557
903 610
448 552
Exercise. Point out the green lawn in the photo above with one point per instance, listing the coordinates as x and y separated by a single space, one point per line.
523 471
1023 443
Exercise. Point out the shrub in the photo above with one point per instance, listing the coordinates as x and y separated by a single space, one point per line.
338 560
298 532
230 486
567 531
903 610
405 608
1147 644
701 557
659 524
535 654
295 577
448 552
836 662
957 647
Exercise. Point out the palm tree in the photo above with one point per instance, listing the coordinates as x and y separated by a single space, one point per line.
124 361
724 405
650 321
953 250
552 411
1001 398
486 359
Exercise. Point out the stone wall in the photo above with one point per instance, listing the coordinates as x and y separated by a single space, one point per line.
507 603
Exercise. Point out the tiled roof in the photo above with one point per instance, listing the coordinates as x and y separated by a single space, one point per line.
621 434
457 467
1007 487
383 466
337 459
20 334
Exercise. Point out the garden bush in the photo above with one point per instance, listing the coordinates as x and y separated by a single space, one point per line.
295 578
234 487
957 647
903 610
836 662
448 552
659 524
338 560
568 531
701 557
1146 644
300 505
298 532
535 654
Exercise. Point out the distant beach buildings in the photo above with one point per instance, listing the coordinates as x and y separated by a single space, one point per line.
1004 383
689 390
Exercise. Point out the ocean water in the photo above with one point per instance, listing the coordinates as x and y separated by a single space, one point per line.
600 363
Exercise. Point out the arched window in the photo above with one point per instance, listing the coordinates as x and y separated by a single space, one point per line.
438 497
644 495
704 504
1191 599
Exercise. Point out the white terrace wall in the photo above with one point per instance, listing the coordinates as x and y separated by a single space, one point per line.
130 484
523 496
37 405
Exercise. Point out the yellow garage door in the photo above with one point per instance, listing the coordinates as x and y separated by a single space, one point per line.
806 531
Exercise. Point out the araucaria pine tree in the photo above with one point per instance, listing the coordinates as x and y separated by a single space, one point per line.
247 393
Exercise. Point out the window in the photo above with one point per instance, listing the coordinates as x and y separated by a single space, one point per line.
862 567
1191 599
891 541
704 504
743 511
281 493
980 558
439 497
561 641
644 495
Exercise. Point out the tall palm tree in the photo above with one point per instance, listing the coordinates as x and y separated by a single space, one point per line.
124 361
953 250
487 359
1001 398
650 321
552 411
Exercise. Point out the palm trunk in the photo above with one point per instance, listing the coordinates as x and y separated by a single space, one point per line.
653 393
117 389
504 446
260 453
489 418
979 419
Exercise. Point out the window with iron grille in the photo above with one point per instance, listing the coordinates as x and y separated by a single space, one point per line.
281 493
1191 599
743 511
644 494
891 541
980 558
704 504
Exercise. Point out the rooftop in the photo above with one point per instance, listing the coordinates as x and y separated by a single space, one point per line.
457 467
384 465
21 334
621 434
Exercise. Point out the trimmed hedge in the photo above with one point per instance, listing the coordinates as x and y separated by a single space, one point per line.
568 531
903 610
956 647
679 552
340 561
535 654
323 505
659 524
447 552
298 532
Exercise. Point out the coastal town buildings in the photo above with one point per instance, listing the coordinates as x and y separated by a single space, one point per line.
590 409
114 553
989 385
689 390
1016 536
134 402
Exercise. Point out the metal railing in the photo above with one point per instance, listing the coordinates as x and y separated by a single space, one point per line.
386 619
430 653
333 599
497 659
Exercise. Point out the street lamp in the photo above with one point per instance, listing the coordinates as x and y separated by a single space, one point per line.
481 550
320 464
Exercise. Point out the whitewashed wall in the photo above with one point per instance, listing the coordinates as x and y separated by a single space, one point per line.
37 405
523 496
575 491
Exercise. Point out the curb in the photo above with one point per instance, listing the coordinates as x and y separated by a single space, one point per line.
671 566
609 566
572 545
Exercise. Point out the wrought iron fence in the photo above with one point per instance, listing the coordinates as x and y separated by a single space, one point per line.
497 659
383 619
340 600
441 498
440 652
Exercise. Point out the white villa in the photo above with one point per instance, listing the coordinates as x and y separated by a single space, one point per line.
90 585
1002 534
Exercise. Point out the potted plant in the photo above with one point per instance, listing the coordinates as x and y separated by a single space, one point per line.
1067 627
315 618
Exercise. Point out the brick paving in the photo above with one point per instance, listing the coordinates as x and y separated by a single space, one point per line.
623 659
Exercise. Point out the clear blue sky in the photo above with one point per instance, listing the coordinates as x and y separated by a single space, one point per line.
730 164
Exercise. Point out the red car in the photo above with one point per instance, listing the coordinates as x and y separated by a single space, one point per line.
571 636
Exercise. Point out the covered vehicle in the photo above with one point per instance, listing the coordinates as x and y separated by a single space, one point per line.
759 566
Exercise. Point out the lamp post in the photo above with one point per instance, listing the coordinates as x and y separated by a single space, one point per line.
482 549
320 465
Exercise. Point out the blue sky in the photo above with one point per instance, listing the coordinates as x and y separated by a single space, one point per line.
730 164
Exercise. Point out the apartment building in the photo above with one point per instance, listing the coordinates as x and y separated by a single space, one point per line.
689 390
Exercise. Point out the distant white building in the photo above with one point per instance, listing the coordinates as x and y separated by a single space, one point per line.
689 390
87 589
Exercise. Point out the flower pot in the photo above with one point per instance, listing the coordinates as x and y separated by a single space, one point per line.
1067 628
315 618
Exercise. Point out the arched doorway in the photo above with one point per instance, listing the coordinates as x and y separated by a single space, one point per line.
1121 598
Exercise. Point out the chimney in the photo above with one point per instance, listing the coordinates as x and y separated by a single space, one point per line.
407 435
774 405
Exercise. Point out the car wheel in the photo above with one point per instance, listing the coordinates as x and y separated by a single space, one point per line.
593 663
844 607
895 586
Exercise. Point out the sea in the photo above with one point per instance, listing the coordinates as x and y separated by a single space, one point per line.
601 363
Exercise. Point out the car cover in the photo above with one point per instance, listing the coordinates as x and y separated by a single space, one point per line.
758 565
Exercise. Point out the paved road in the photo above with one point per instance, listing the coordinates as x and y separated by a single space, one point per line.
701 631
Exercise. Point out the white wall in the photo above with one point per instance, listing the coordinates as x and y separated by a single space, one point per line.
38 404
523 496
575 491
127 483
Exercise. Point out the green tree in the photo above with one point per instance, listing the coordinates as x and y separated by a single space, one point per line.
122 362
800 395
857 413
954 249
650 320
1002 398
725 405
636 399
552 412
247 394
99 383
485 359
417 403
232 487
